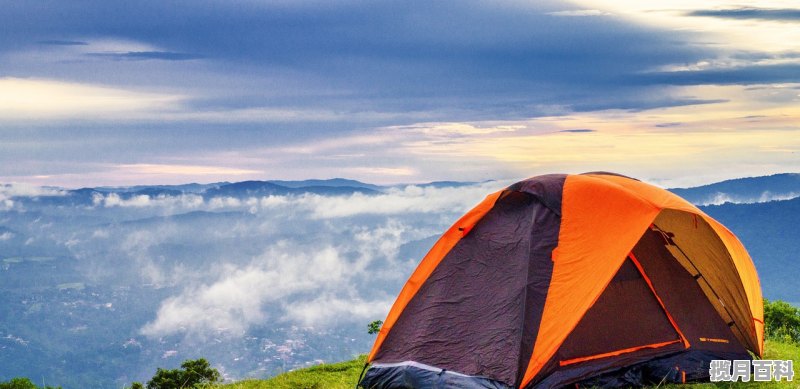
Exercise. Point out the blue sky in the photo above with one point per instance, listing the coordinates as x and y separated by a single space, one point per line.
117 93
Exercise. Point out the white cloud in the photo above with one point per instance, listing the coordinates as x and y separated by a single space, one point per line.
184 201
323 309
6 236
183 170
580 12
236 300
395 201
9 191
318 277
28 190
37 99
766 196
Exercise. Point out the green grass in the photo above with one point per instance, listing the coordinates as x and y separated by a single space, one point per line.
343 375
328 376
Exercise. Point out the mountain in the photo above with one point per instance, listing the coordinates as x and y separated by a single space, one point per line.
744 190
270 188
330 183
183 188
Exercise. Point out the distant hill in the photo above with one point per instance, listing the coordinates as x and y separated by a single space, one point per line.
744 190
270 188
331 183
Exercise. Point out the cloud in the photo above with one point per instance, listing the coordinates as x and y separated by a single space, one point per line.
397 201
183 170
62 43
778 14
145 55
180 202
40 99
382 57
580 13
668 124
322 260
579 130
766 196
28 190
739 75
326 308
270 289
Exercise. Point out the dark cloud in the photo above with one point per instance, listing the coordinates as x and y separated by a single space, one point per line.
579 130
785 14
742 75
668 125
62 43
370 63
466 60
641 105
143 55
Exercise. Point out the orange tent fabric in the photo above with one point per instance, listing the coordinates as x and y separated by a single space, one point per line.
554 252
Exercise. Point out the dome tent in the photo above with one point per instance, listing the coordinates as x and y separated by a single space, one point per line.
592 279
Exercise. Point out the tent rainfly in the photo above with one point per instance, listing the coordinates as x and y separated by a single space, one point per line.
593 279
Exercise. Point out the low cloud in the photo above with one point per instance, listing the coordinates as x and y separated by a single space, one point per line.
145 55
275 287
777 14
181 202
27 190
228 266
425 199
766 196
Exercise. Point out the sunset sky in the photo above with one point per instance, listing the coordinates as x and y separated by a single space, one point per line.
677 93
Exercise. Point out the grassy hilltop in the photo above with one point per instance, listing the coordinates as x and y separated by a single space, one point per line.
343 375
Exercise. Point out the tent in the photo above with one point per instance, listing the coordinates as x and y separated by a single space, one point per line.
572 280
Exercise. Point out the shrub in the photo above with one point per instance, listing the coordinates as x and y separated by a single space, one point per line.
193 373
781 321
374 327
22 383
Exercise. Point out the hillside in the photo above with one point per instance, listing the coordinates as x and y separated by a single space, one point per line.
344 375
744 190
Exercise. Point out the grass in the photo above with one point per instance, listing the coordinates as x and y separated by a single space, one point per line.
343 375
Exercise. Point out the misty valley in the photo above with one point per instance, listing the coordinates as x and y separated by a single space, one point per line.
99 286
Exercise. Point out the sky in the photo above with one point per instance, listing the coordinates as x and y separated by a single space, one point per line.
679 93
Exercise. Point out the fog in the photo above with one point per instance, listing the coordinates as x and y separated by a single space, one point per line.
257 284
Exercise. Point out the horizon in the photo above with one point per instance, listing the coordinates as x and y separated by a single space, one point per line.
387 185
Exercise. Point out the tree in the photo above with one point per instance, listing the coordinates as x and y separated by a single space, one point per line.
192 374
22 383
18 383
374 327
782 321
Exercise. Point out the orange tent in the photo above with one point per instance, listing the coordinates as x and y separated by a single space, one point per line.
593 279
